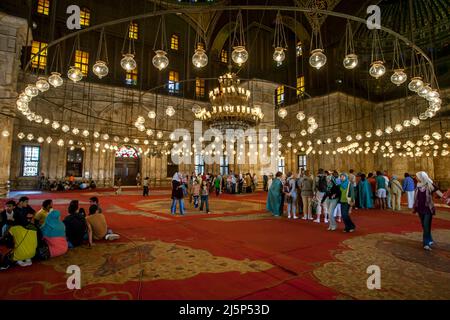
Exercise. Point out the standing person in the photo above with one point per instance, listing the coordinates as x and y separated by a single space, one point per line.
240 183
248 183
196 192
332 196
387 178
320 191
54 234
365 193
233 183
145 187
396 192
274 195
138 179
269 182
352 180
177 193
119 186
424 206
381 190
204 196
218 184
373 186
307 185
265 182
409 187
42 214
345 202
255 182
291 195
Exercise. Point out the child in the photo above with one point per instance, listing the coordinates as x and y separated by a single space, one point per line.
196 193
145 186
97 227
119 186
204 196
42 214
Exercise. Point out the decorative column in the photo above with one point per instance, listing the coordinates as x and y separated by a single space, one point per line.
13 31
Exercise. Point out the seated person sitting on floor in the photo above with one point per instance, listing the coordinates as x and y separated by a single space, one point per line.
95 201
60 186
22 210
76 228
42 214
97 227
83 185
7 217
92 184
23 239
54 234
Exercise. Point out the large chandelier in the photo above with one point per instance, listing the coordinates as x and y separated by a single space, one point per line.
230 107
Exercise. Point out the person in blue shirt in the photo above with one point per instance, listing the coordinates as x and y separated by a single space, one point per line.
409 187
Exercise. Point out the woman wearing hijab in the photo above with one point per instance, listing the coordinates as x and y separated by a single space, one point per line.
274 196
365 193
396 193
346 201
177 193
54 233
424 206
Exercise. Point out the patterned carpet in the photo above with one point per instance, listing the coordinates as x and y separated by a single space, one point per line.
239 251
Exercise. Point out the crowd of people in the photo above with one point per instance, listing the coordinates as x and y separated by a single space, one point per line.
197 187
65 184
331 194
31 235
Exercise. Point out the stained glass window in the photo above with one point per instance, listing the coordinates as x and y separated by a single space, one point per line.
300 85
200 87
174 42
43 7
224 56
126 152
133 30
30 161
38 60
132 77
174 85
280 95
85 17
82 61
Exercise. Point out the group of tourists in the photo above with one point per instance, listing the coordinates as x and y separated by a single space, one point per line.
31 235
334 194
68 183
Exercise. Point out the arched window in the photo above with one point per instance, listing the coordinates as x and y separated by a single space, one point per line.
127 152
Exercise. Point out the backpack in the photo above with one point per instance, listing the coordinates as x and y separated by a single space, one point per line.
322 185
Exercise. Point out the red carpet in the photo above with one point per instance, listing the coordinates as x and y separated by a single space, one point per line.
230 255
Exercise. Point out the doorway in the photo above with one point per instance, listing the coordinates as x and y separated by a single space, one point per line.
127 165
